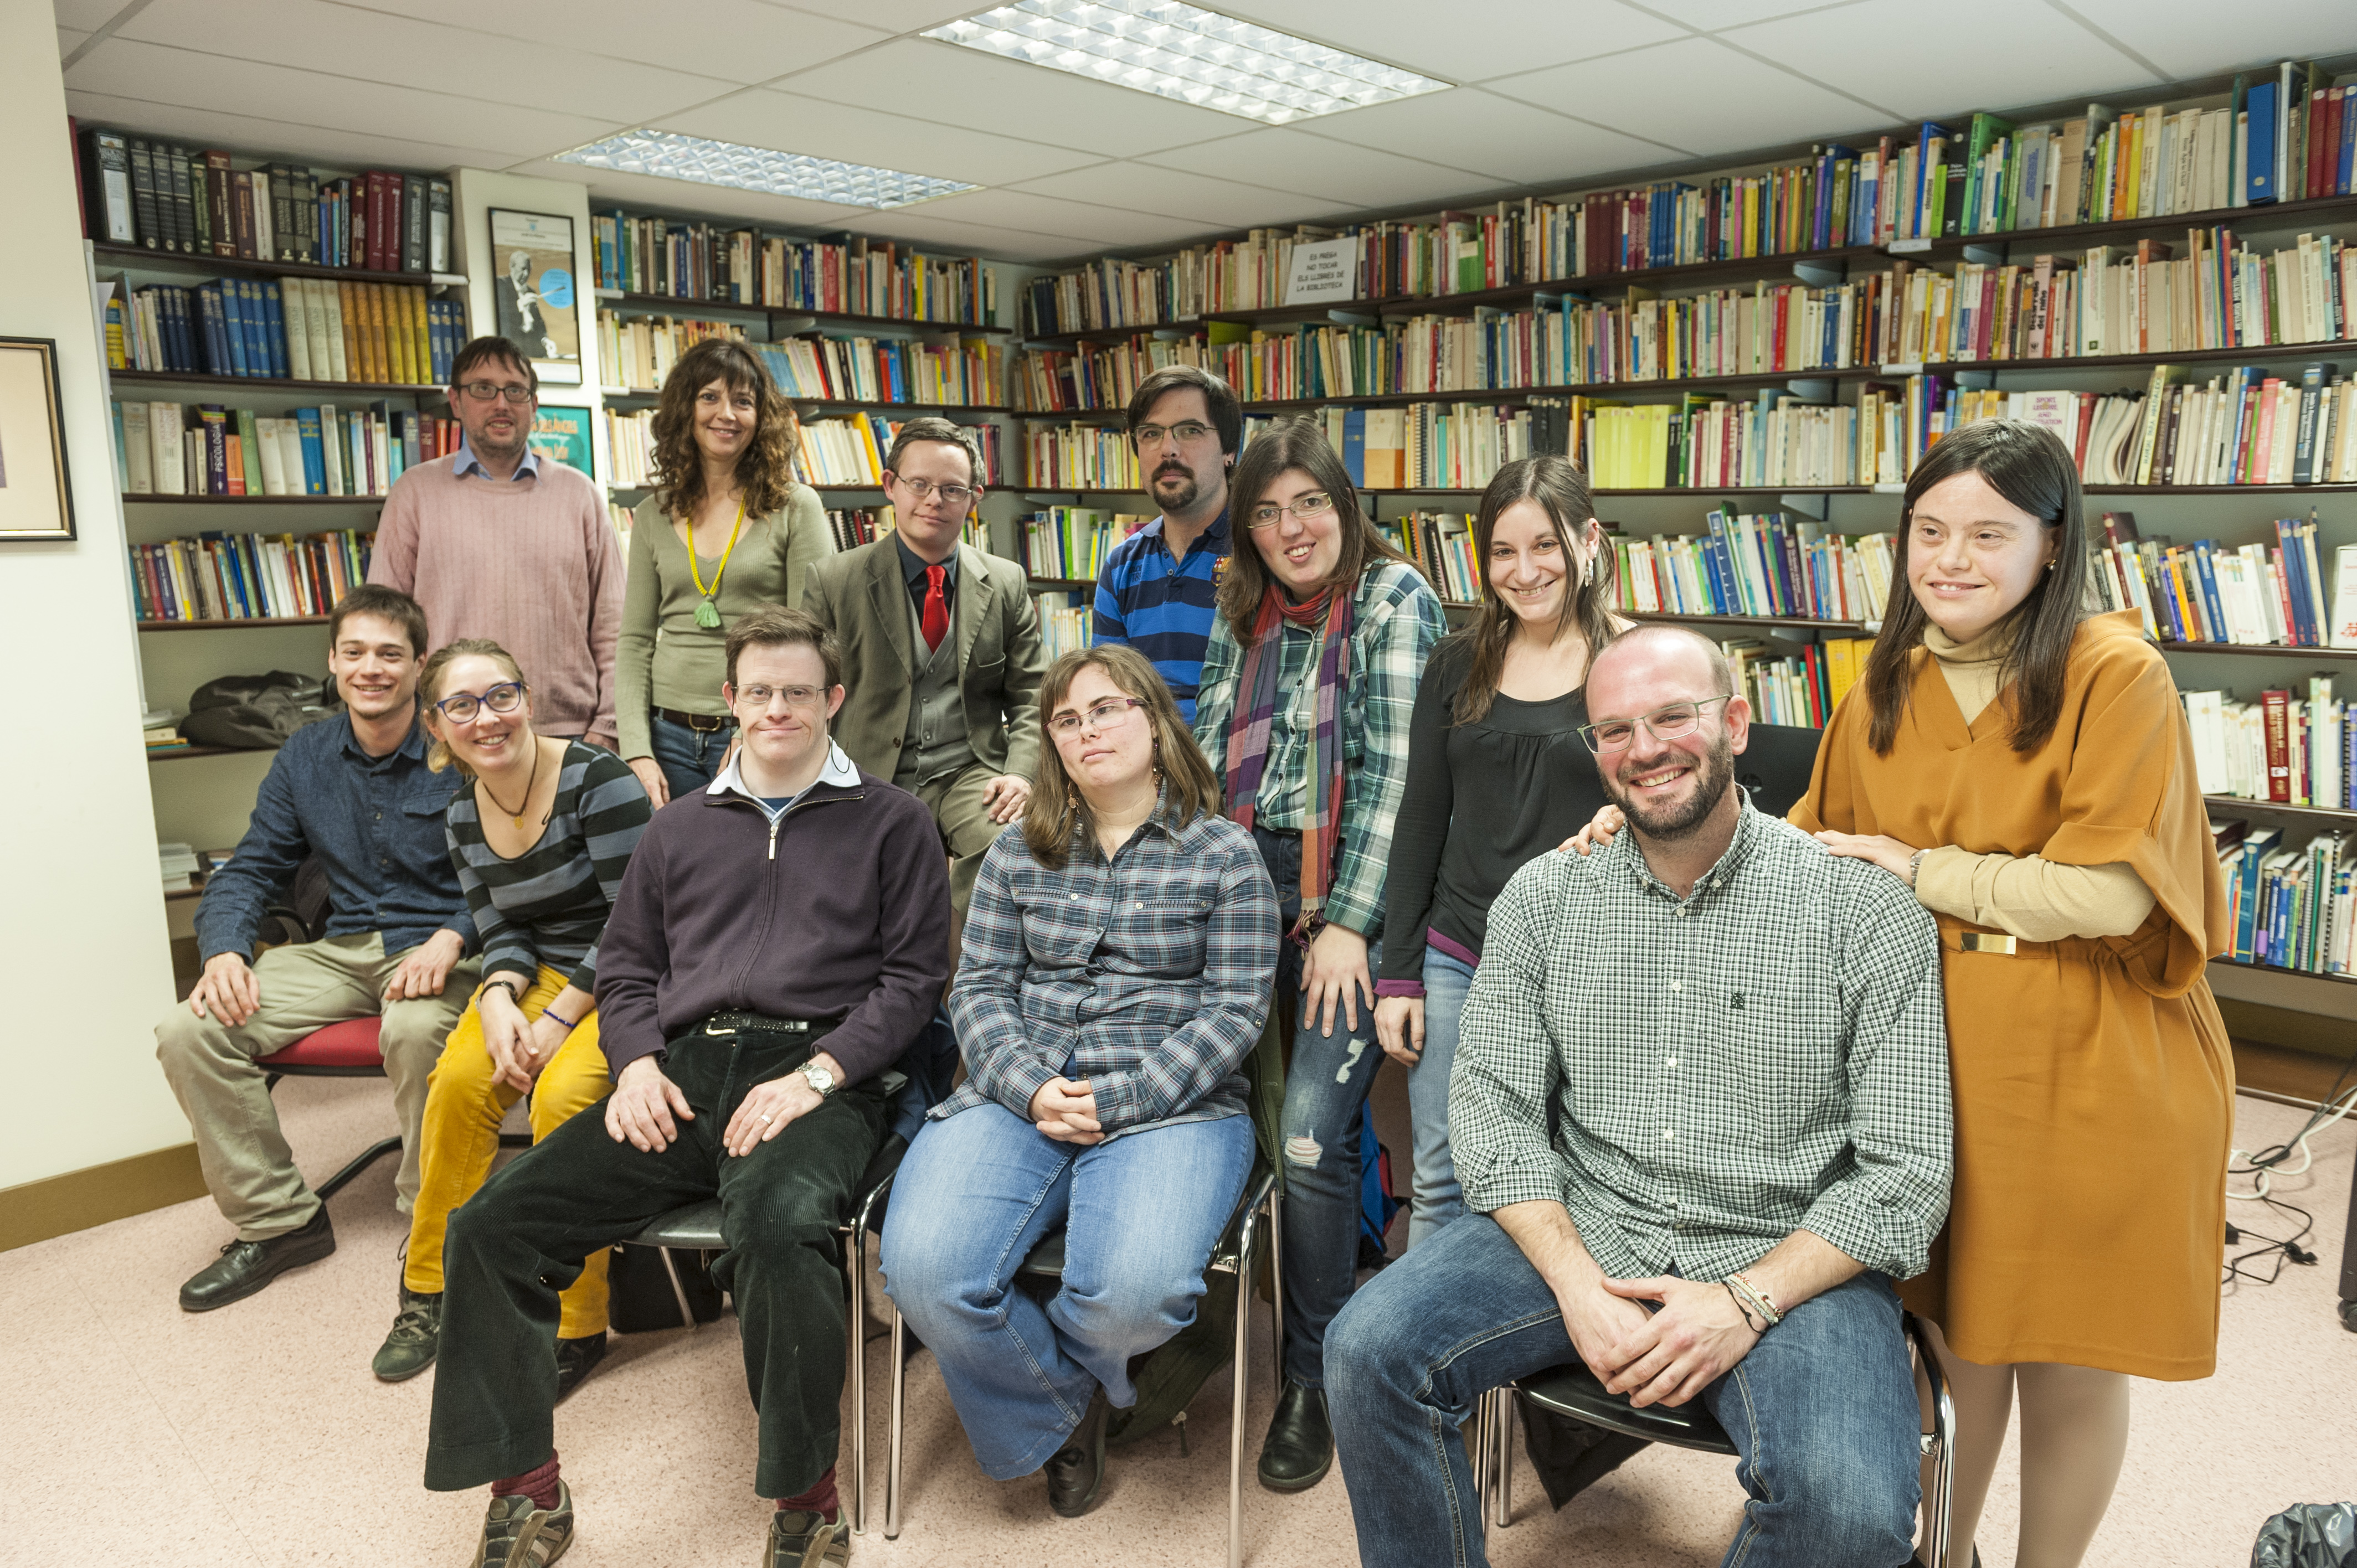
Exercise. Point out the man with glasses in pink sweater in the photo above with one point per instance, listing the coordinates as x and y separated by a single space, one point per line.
498 542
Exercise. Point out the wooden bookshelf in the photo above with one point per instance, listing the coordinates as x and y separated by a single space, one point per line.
2232 804
135 257
2293 973
670 304
241 622
269 383
2264 650
633 394
152 498
1053 585
1790 623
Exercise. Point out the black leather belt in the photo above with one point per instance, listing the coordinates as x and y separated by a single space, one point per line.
702 724
754 1023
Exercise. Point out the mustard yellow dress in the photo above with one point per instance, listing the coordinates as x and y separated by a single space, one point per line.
2092 1078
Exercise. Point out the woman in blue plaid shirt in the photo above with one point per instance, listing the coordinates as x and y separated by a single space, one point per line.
1119 954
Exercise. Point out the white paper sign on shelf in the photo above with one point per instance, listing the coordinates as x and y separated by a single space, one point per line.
1323 272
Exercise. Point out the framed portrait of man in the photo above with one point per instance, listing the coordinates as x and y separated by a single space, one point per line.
536 291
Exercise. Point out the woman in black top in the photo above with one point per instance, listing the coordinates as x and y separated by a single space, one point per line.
1496 775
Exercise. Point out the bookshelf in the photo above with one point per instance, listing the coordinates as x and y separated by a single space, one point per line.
671 305
2232 804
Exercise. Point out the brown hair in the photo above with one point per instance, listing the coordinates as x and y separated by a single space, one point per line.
483 350
387 603
934 427
774 626
438 754
1219 399
765 469
1558 486
1056 812
1292 444
2029 467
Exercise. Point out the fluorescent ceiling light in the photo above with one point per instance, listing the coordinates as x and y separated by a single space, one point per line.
1184 52
670 156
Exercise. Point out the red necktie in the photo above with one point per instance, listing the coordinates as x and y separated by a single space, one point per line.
936 620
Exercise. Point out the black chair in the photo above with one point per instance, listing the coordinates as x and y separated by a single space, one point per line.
1573 1391
1776 765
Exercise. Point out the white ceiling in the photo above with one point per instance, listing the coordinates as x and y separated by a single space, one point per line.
1548 94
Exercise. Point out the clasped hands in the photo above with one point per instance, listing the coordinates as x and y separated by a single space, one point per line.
1666 1356
646 1107
1065 1109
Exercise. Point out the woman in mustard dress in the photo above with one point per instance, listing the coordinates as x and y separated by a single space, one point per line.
2028 769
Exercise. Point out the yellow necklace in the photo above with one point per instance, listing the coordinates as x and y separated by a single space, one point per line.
707 614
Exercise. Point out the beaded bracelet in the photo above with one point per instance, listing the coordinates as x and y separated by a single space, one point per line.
1757 1297
1744 1309
551 1012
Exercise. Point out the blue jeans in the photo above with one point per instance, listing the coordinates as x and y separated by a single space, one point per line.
1325 1089
1823 1410
690 759
1438 1198
1140 1214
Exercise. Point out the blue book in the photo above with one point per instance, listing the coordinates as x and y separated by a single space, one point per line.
2259 172
2294 583
233 326
273 311
1354 445
258 333
2245 868
2347 167
219 356
315 455
2206 575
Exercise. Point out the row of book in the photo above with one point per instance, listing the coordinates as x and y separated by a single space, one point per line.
2289 895
164 197
1441 545
1801 689
2290 747
1763 565
855 275
1081 457
206 449
972 373
842 453
247 576
1431 446
1070 543
2254 594
303 329
1067 621
2243 426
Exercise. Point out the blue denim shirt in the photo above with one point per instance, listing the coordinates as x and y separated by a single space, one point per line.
375 822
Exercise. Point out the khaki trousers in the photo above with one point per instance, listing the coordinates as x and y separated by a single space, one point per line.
955 800
304 986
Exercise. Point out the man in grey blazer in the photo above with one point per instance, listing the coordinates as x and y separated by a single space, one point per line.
940 651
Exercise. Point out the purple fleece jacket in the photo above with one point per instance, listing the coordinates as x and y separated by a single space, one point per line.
842 916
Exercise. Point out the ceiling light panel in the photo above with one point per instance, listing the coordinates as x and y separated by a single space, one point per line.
1182 51
670 156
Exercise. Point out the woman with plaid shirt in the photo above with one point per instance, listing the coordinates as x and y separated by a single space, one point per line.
1116 973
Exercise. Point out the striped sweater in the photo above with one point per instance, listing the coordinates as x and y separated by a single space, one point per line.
548 906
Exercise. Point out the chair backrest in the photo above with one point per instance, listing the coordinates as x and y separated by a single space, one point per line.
1264 1072
1776 766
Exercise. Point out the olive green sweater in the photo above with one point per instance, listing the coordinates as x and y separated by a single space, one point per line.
664 659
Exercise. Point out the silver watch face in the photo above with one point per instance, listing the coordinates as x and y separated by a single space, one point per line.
818 1077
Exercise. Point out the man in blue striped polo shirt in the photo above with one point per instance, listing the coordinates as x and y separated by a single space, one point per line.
1155 590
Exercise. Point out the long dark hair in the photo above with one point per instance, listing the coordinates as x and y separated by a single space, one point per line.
1292 444
1056 812
1557 485
2031 468
765 469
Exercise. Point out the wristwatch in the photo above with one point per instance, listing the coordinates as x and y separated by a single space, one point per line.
818 1077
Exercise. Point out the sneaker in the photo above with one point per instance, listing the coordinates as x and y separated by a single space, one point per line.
518 1534
416 1336
800 1540
576 1359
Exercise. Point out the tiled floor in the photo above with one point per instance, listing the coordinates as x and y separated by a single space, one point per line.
131 1432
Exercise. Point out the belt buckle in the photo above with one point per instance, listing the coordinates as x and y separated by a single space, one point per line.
1985 941
707 724
712 1025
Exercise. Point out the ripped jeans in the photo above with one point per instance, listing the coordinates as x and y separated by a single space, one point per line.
1325 1091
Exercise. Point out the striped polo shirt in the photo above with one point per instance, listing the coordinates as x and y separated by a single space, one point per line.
1164 607
547 907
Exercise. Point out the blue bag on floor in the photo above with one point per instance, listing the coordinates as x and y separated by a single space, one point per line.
1376 1204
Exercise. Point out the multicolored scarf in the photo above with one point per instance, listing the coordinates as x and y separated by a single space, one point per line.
1248 733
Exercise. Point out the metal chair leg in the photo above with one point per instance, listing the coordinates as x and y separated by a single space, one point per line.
893 1430
1939 1445
854 1258
678 1291
1276 1285
1502 1455
360 1162
1246 1257
1476 1433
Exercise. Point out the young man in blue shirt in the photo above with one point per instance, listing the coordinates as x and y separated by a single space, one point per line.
1157 589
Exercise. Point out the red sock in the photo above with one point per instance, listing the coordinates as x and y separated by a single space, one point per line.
820 1499
539 1485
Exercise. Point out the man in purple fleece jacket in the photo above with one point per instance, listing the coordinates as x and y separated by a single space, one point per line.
781 937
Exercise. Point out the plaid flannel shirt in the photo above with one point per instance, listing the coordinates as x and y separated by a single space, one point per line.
1767 1055
1149 976
1396 621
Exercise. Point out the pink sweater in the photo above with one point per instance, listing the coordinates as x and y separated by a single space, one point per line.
529 563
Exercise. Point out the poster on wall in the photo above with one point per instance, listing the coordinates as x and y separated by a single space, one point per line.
532 259
563 433
35 498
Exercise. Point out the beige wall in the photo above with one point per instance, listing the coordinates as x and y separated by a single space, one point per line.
83 961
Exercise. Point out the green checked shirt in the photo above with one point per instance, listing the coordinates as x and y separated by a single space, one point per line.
1767 1055
1396 621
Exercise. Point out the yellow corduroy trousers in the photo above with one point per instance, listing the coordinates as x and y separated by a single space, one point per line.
464 1106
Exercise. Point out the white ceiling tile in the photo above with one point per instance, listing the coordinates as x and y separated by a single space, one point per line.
897 16
216 83
1177 193
762 118
642 193
1710 15
1336 169
338 41
326 147
1474 129
972 239
1511 34
1053 219
2016 52
737 40
2188 41
88 15
1696 95
69 39
963 89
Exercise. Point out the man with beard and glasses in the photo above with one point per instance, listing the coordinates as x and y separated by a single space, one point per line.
1158 589
1700 1110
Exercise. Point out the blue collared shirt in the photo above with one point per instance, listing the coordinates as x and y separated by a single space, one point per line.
464 464
375 822
1162 606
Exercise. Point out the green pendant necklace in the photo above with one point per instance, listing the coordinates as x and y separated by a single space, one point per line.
707 614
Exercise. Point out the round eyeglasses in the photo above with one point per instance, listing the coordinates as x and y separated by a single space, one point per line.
465 708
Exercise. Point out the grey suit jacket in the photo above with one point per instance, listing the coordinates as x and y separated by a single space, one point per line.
864 599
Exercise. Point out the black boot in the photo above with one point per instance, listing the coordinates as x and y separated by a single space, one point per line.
1299 1449
1076 1474
576 1359
244 1267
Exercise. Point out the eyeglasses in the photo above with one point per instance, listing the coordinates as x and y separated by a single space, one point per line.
485 391
464 708
1308 508
953 495
1103 717
758 698
1672 721
1188 431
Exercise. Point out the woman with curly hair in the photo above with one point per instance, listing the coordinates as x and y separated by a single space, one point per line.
727 528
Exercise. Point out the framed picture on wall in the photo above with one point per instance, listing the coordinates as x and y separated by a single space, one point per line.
563 433
35 498
532 281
